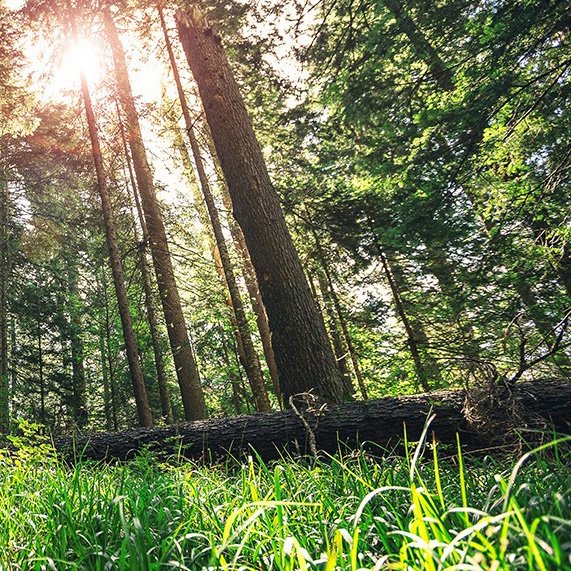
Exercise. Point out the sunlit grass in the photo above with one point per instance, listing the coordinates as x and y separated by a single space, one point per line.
344 512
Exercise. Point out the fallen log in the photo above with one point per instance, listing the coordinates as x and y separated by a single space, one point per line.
380 422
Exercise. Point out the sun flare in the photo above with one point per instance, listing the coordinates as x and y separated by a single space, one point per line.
13 4
83 57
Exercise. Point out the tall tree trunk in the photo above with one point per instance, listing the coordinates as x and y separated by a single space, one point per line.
303 353
109 353
137 380
203 216
107 404
412 339
339 347
247 268
248 272
166 407
257 383
340 315
79 402
431 367
185 363
251 360
421 45
4 271
254 293
430 364
198 202
234 379
41 373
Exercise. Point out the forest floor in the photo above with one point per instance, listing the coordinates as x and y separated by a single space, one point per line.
348 511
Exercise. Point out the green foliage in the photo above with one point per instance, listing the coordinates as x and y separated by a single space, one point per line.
434 135
350 511
460 183
32 444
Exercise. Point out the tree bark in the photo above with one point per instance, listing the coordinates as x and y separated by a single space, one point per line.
185 363
152 318
203 218
234 377
256 301
339 347
379 422
245 346
332 294
79 402
4 270
111 369
249 274
137 380
205 222
251 361
303 353
412 337
107 403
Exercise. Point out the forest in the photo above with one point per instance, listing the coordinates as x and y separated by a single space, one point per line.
285 284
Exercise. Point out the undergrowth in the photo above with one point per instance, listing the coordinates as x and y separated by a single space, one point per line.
348 511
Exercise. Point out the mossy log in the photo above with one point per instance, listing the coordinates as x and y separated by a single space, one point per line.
374 422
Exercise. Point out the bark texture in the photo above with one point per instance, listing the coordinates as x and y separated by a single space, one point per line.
330 296
379 422
304 357
107 403
339 348
79 396
250 358
185 363
152 317
413 337
137 379
249 274
256 301
4 379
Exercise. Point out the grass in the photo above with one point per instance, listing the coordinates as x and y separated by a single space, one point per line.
349 511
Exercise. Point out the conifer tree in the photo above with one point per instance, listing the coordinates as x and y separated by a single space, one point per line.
250 358
139 390
304 356
185 362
